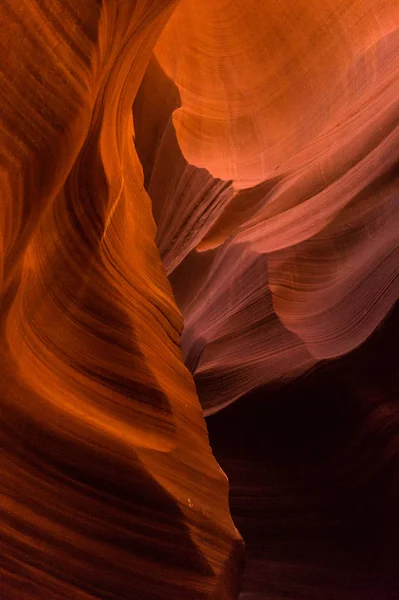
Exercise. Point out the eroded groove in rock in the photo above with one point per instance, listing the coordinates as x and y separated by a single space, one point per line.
186 201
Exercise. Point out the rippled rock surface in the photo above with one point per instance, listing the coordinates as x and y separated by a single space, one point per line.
108 485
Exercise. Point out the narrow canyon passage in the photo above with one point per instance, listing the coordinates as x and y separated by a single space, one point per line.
199 270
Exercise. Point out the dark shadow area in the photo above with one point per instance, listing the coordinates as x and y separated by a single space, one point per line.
314 476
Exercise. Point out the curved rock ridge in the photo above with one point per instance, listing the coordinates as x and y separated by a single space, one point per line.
273 171
108 485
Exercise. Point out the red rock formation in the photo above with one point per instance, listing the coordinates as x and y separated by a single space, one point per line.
108 485
259 172
299 101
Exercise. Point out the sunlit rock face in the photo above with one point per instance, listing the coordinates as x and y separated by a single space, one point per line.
260 81
278 218
108 485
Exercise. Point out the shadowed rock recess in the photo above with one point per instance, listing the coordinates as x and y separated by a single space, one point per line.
199 217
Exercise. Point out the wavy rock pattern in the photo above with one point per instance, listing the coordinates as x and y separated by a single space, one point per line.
108 485
294 106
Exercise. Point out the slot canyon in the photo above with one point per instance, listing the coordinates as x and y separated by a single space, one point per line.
199 284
